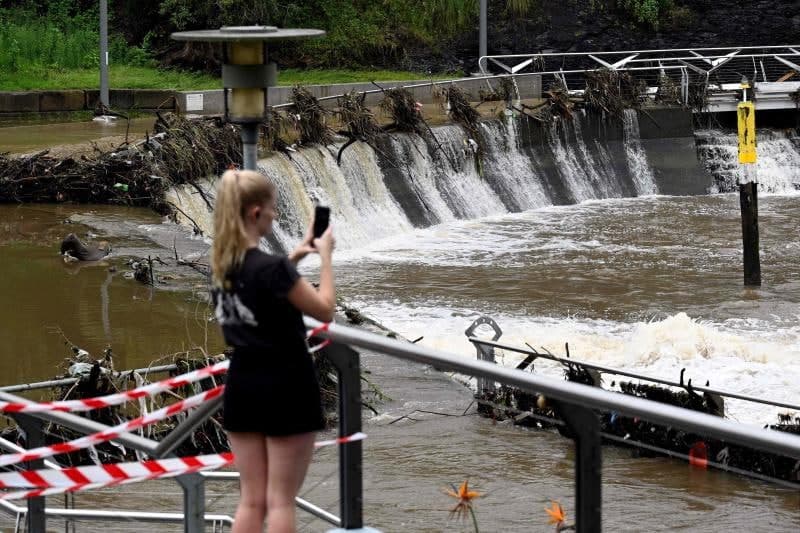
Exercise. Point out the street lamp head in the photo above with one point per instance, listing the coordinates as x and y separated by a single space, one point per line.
247 74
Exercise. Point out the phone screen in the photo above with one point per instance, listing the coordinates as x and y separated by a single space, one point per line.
321 219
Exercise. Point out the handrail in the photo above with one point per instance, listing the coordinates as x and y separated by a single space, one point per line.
616 371
69 381
572 393
654 51
487 77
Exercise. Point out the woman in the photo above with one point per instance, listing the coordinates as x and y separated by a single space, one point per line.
272 401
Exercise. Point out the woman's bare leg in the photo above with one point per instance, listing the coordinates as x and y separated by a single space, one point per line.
250 458
289 458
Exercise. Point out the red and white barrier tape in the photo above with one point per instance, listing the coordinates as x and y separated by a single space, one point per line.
316 331
89 404
46 482
112 432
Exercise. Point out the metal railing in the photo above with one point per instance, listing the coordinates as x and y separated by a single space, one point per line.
717 71
576 404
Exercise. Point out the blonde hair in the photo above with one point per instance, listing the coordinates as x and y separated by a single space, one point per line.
237 190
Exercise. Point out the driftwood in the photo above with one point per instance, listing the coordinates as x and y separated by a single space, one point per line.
310 117
98 378
612 92
646 438
357 120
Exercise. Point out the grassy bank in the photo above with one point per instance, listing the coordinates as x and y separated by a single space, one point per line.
139 77
59 51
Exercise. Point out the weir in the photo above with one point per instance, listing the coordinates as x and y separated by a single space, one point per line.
408 182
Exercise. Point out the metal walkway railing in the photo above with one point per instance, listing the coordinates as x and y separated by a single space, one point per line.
576 403
772 70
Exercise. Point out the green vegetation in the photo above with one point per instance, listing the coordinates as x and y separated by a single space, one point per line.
132 77
53 43
648 12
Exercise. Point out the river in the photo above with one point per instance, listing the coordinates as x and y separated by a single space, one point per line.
650 283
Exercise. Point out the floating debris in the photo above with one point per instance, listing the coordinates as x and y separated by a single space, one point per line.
310 117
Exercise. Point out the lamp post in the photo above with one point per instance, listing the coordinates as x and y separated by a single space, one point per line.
104 53
247 74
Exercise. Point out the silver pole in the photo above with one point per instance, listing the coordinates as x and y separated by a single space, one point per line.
104 52
483 30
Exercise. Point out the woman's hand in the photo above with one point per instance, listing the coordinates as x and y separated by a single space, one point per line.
324 245
305 247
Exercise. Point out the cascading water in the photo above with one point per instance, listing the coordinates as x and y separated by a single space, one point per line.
638 165
409 182
777 168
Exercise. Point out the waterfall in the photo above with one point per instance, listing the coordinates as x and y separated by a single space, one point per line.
777 167
407 181
640 171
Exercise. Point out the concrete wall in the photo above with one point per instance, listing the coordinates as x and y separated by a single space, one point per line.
211 102
24 103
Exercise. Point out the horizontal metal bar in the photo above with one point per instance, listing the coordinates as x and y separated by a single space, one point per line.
10 446
185 428
704 424
481 78
86 426
68 381
610 370
92 514
139 516
655 51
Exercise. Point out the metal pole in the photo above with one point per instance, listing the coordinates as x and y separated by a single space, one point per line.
194 502
482 48
249 133
104 52
346 361
585 429
35 518
185 429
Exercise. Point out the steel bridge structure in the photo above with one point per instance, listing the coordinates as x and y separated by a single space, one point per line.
773 72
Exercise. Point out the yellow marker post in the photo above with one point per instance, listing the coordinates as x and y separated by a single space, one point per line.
748 188
747 132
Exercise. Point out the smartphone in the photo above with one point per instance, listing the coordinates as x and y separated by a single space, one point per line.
322 216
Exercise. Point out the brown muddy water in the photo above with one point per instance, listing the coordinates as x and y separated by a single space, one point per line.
25 139
411 455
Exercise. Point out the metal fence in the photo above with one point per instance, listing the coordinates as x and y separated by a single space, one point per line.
576 404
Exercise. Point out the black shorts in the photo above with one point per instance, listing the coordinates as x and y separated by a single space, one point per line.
276 397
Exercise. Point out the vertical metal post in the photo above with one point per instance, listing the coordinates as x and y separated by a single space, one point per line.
194 502
585 427
485 353
483 31
104 52
35 518
346 361
249 133
748 204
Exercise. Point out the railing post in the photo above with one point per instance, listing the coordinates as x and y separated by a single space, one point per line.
585 428
485 353
194 502
346 361
35 518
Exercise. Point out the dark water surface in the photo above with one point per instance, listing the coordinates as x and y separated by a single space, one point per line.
47 300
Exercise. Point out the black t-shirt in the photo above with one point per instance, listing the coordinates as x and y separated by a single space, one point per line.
255 313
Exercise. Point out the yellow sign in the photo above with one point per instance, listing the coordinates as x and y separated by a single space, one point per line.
747 132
